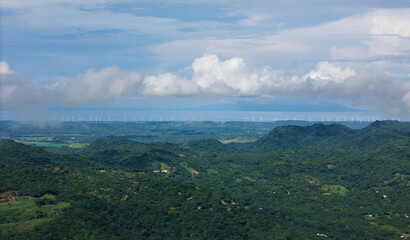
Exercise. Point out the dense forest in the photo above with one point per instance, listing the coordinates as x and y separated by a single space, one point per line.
294 182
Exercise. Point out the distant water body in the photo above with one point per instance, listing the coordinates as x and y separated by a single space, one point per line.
136 115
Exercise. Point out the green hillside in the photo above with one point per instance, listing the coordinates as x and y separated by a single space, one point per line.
293 183
114 204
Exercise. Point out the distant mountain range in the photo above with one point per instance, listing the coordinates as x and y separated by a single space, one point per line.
280 105
249 105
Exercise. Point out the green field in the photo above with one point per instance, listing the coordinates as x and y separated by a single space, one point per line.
28 212
237 140
46 144
334 189
78 145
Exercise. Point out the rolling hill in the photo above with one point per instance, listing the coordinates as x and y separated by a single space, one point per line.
293 183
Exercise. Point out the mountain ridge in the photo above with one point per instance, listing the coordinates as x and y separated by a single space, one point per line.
279 105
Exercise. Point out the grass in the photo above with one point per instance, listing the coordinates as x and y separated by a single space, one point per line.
52 144
45 144
164 166
249 179
48 196
334 189
36 139
47 141
25 214
237 140
78 145
312 180
212 172
22 225
185 165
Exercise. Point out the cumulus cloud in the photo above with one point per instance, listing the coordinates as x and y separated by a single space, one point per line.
5 68
327 73
223 77
168 84
212 77
92 87
101 86
383 32
19 92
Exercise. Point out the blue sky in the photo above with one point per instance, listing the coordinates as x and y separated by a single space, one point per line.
72 53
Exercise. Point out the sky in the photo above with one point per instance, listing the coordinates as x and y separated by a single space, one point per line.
121 53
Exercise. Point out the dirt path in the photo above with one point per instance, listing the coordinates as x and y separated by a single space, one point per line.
9 196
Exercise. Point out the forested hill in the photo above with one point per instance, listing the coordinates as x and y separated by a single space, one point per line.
313 182
50 200
116 152
12 152
334 135
315 135
388 124
64 134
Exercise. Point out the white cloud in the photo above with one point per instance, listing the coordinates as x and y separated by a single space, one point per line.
214 77
68 20
23 93
46 3
256 49
406 97
253 21
394 22
173 51
379 33
54 19
231 76
327 73
5 68
349 53
250 46
103 86
168 84
375 35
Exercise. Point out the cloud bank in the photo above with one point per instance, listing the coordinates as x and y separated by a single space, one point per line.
378 36
211 77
